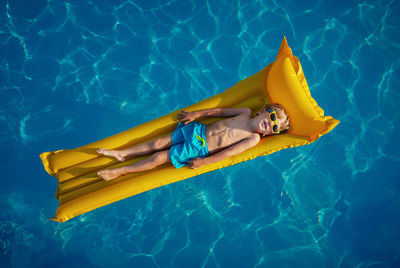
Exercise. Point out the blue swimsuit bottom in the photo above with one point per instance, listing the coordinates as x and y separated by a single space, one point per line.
188 142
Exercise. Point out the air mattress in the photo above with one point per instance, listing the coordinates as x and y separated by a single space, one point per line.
80 189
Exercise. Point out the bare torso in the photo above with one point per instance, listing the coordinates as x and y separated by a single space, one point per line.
227 132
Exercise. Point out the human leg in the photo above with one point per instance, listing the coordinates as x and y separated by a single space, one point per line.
155 160
141 149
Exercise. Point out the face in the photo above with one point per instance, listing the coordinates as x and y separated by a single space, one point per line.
265 124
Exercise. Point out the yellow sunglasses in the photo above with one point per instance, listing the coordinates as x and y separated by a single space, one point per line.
274 119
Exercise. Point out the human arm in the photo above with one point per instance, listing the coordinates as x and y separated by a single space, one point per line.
228 152
187 117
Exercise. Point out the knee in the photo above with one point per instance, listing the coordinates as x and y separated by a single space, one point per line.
161 143
159 158
156 145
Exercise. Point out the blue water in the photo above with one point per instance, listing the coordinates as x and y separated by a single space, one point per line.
73 72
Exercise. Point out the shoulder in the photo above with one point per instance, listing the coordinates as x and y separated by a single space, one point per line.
246 112
253 139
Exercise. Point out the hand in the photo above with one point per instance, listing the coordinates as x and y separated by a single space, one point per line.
186 117
195 163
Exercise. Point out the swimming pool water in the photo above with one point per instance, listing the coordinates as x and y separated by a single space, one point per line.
73 72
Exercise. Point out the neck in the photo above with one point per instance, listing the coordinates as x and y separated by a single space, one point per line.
253 125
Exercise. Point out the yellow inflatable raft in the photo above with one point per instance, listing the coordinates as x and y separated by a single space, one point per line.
80 189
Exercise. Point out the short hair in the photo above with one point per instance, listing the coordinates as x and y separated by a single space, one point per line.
281 113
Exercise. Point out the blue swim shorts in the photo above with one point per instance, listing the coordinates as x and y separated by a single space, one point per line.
188 142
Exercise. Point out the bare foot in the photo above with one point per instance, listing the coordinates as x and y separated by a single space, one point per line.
109 174
114 153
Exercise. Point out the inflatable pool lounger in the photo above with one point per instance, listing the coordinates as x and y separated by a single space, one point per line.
80 189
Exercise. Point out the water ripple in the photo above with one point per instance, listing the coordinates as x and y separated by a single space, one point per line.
66 63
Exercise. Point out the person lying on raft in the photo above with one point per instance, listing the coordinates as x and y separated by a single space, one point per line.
195 144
